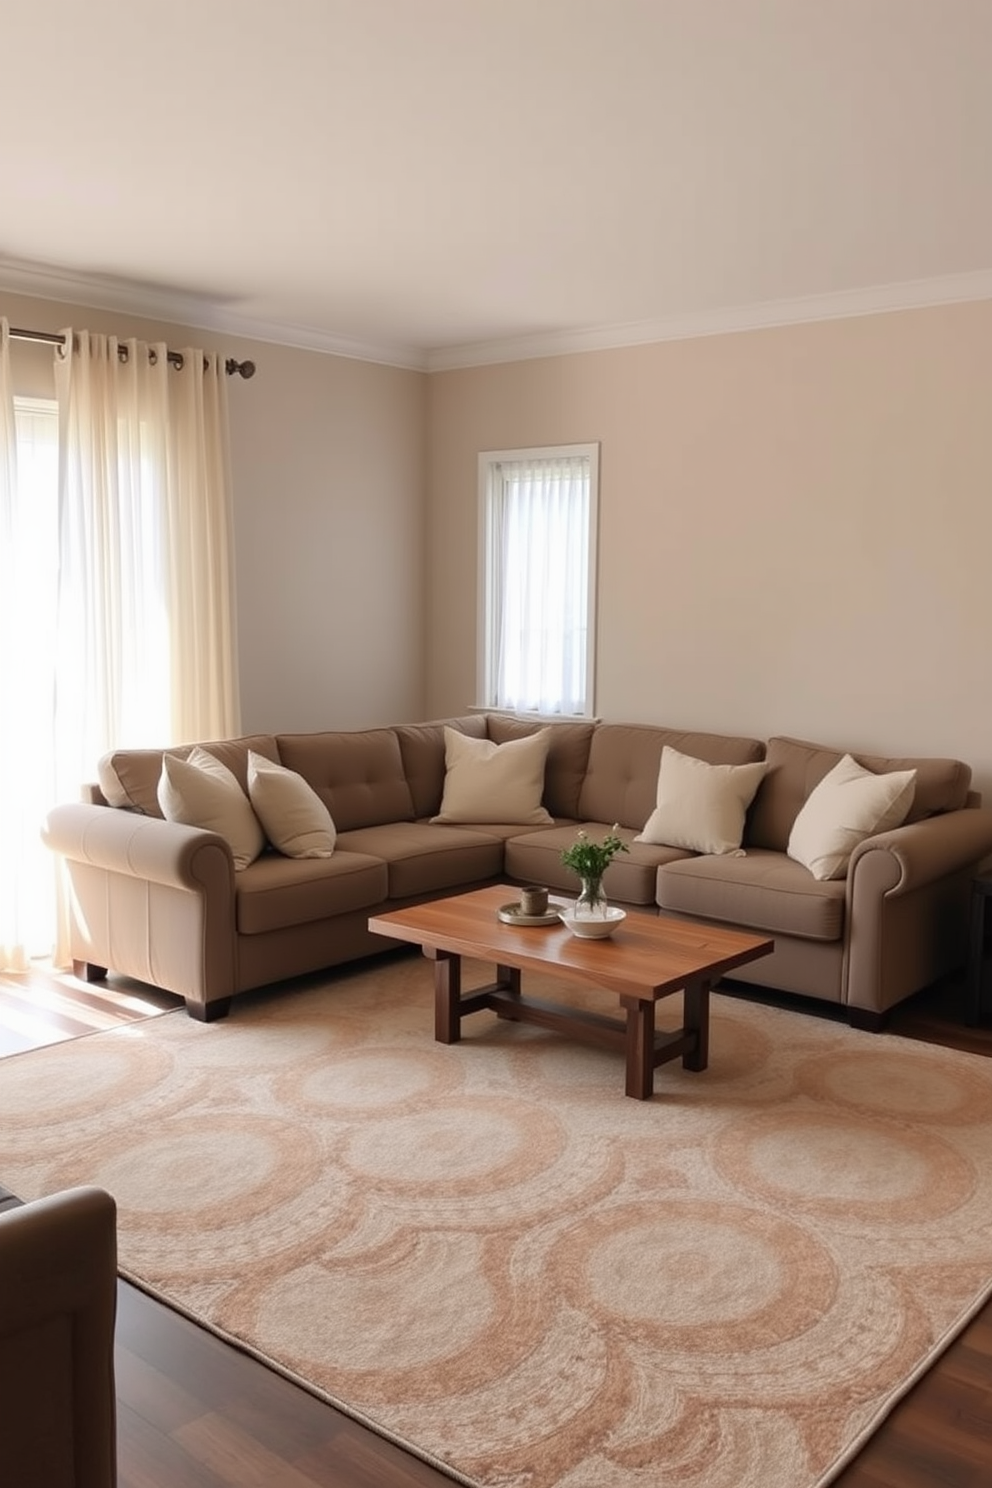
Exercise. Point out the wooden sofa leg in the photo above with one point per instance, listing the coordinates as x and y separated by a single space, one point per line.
87 972
208 1012
867 1019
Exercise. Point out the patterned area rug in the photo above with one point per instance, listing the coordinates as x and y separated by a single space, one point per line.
491 1255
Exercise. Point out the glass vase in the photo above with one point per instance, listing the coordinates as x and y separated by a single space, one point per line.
592 902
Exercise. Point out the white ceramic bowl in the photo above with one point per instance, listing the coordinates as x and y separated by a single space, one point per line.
587 928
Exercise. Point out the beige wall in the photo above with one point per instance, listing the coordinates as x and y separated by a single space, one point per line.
328 458
795 527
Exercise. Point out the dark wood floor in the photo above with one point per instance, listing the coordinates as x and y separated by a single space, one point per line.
197 1413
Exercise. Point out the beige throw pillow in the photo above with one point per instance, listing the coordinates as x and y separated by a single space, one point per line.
849 804
295 819
701 807
201 792
487 782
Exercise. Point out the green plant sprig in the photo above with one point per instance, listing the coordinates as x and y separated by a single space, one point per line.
591 859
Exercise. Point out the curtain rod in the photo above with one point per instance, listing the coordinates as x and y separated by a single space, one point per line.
231 365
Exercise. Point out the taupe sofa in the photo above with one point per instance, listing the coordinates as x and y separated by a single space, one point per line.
162 902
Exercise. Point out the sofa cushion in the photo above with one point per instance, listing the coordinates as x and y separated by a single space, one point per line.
201 792
358 775
535 857
129 777
795 767
487 782
701 806
760 891
293 816
423 858
848 805
568 757
621 782
276 892
422 753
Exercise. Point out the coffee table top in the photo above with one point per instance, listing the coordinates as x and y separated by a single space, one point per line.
648 955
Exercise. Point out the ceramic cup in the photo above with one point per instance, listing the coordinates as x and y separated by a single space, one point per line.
533 900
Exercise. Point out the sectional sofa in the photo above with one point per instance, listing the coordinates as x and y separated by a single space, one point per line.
161 900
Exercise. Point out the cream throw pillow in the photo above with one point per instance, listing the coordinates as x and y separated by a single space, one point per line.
201 792
487 782
849 804
295 819
701 807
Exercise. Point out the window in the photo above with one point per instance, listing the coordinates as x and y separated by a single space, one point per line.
538 579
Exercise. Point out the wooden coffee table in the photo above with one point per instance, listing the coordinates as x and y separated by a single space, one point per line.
647 958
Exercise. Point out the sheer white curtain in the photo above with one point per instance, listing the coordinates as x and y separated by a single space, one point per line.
27 579
11 934
541 585
140 630
146 636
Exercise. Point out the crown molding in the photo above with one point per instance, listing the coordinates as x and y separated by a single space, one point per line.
175 308
199 311
305 338
912 294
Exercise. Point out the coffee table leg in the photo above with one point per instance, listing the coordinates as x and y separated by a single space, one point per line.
507 980
696 1020
447 995
640 1048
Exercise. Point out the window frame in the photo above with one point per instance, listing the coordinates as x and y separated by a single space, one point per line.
485 642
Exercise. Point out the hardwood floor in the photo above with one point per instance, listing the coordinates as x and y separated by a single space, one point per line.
194 1412
48 1007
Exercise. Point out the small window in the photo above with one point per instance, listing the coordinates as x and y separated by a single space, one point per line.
538 579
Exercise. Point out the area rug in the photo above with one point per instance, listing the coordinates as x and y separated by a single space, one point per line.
492 1256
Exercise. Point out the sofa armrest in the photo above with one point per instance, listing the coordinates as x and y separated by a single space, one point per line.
149 898
912 856
908 895
143 846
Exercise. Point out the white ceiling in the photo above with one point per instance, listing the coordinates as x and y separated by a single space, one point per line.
434 182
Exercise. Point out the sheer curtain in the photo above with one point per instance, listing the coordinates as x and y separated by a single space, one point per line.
25 783
541 585
142 636
145 612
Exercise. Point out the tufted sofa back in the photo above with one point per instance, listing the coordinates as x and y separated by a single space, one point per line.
129 778
795 767
621 780
600 772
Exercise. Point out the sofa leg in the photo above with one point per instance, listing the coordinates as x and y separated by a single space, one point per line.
88 972
208 1012
867 1019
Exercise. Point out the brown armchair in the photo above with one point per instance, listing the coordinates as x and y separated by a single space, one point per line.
58 1306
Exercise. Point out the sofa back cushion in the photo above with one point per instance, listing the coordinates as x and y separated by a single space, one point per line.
796 767
621 783
358 775
567 761
129 777
422 753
